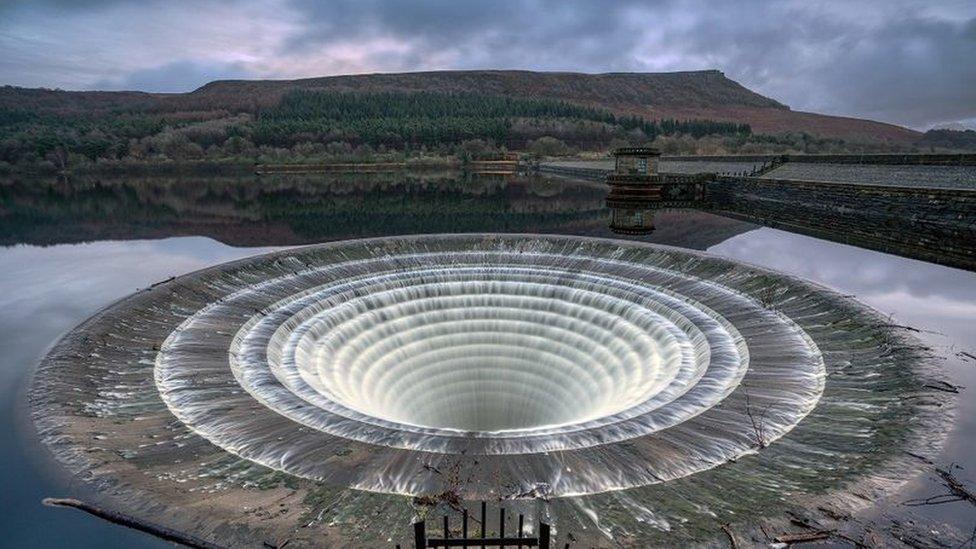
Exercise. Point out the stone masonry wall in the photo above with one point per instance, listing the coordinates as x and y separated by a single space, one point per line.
937 225
888 159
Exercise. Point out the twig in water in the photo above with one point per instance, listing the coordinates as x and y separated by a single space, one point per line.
944 386
956 486
957 492
728 532
919 457
129 521
801 538
432 469
161 282
892 324
758 423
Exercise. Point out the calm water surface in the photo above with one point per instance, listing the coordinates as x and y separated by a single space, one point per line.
66 254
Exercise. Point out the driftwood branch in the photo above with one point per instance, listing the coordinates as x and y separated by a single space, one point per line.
804 537
957 491
758 423
129 521
956 487
728 532
943 386
817 532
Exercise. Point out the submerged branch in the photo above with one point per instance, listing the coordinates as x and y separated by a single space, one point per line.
728 532
805 537
129 521
956 486
944 386
957 491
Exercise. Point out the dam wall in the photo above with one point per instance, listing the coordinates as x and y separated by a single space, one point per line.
932 224
912 159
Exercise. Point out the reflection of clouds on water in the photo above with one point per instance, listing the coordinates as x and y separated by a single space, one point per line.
44 291
939 300
57 286
925 295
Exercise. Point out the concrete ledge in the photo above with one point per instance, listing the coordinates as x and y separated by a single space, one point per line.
920 159
853 187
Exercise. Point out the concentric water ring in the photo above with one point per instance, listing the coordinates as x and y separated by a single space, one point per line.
498 355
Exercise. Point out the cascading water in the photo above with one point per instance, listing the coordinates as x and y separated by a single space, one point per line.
500 355
557 366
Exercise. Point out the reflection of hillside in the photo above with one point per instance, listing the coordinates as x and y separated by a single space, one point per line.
289 209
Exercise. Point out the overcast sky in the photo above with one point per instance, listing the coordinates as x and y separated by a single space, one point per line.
908 62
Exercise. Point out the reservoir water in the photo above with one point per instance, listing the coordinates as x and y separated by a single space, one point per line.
72 248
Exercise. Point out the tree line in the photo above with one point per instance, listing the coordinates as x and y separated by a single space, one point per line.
425 118
323 125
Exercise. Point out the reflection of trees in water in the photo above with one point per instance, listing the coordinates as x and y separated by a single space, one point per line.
288 209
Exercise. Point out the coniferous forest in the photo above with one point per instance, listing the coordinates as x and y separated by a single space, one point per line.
413 119
323 126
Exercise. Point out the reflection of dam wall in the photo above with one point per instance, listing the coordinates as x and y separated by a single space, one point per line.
588 174
936 225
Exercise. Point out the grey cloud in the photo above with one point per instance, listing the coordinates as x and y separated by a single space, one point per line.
913 70
916 71
813 59
516 29
893 60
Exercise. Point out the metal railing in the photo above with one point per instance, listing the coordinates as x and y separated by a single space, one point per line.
423 539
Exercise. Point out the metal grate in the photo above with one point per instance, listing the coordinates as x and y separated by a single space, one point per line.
423 540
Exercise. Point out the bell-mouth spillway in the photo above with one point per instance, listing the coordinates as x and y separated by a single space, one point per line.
508 351
546 365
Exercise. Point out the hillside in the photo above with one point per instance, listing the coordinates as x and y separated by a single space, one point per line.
688 89
677 95
421 117
949 139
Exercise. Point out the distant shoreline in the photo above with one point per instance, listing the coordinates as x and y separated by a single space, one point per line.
492 166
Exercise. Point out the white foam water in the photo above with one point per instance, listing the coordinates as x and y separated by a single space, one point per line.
530 354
